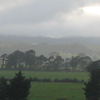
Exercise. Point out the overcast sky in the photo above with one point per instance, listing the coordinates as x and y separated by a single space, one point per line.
53 18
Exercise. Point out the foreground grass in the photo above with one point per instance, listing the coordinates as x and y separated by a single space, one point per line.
54 91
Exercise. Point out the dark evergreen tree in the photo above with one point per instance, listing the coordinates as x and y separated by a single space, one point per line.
19 87
3 88
93 66
92 87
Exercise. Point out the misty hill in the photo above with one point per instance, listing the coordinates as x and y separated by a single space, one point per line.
66 47
48 40
44 45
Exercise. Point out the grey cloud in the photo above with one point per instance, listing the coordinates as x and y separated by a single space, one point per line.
38 11
55 18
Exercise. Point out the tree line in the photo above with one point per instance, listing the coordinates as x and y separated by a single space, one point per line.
35 79
28 60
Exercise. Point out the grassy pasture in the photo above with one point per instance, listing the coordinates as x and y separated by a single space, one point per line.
53 91
51 75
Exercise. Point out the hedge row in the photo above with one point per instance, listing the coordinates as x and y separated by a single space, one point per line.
35 79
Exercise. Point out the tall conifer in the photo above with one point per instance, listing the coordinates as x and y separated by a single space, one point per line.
19 87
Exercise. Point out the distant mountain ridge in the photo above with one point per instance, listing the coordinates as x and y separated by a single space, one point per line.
48 40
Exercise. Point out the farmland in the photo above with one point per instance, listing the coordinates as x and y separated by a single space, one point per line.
54 91
51 90
51 75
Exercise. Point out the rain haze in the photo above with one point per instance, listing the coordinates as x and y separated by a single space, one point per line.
50 18
49 49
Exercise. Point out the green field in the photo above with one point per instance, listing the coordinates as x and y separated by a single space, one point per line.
53 91
51 75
